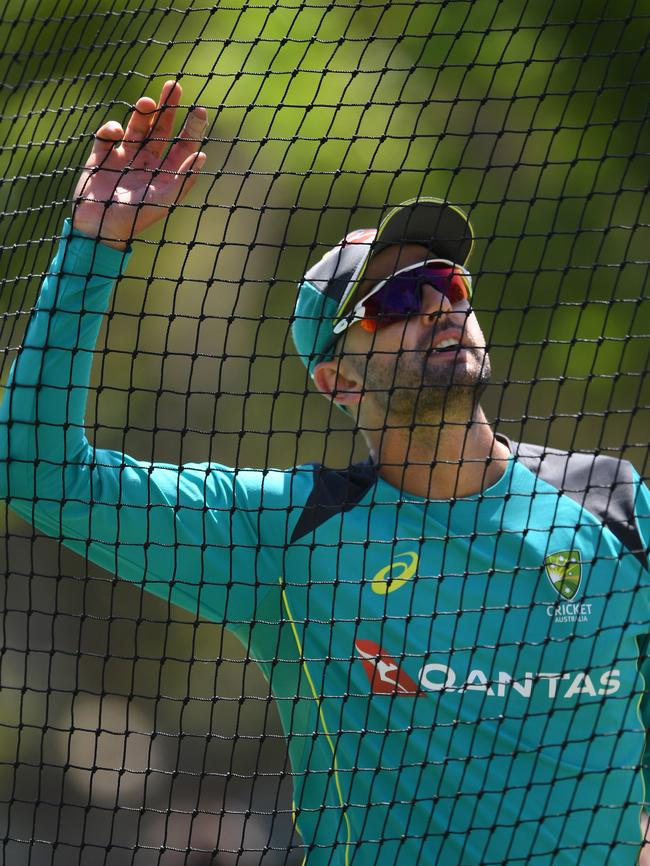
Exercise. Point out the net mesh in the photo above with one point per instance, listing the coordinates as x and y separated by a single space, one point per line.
451 680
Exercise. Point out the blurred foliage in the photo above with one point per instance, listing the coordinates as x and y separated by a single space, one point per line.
532 116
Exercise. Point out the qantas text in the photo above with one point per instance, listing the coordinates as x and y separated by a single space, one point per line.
387 677
441 678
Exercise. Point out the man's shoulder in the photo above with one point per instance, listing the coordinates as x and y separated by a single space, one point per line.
245 488
576 471
333 491
309 493
604 485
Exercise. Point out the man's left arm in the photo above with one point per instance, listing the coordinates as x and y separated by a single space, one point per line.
642 514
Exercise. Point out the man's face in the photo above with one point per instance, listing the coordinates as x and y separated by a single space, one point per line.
403 370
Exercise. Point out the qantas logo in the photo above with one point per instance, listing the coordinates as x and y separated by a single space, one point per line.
387 678
383 672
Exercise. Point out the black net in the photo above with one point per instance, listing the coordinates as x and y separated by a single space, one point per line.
434 655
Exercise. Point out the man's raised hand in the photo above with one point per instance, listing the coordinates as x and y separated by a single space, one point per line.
130 179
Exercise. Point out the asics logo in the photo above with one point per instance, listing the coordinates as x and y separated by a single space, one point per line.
395 575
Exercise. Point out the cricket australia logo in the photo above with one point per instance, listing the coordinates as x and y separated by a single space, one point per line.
564 571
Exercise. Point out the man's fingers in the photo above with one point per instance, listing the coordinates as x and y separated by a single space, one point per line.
139 125
184 180
163 120
192 164
105 137
189 141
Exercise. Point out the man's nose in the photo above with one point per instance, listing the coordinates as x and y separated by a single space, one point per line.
434 302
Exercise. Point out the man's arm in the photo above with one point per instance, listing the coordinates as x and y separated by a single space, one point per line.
642 510
188 534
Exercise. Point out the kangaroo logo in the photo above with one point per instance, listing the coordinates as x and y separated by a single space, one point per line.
383 672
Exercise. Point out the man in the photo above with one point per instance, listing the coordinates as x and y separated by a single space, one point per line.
453 630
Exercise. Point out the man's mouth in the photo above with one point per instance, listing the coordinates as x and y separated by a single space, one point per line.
446 339
448 345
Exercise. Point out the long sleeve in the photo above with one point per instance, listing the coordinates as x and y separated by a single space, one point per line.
189 534
643 521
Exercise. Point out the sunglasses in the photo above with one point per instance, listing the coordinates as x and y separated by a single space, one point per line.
400 295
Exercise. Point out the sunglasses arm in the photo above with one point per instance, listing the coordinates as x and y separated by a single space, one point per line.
355 316
359 311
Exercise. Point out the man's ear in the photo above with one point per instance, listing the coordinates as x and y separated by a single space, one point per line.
338 384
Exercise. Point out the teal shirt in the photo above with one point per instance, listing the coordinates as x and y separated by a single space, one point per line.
458 680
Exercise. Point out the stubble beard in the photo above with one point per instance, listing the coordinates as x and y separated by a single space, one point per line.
419 390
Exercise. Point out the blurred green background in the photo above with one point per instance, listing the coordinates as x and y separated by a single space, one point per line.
530 115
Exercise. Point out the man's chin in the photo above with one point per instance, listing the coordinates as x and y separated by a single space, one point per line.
431 402
454 390
463 375
426 391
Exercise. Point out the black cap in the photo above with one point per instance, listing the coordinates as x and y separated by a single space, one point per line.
330 284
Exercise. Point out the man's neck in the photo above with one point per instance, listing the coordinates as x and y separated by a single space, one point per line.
446 460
